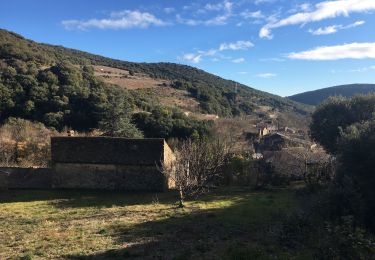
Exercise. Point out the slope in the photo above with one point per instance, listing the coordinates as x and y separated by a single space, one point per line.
41 82
317 96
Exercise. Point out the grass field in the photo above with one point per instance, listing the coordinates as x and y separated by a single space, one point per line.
226 224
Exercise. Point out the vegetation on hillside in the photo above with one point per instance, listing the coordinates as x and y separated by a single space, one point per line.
21 58
38 83
315 97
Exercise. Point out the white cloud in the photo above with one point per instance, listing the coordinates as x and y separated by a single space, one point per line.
239 60
265 33
300 8
266 75
364 69
323 10
118 20
242 72
215 53
169 10
239 45
252 15
326 30
257 2
193 58
334 28
357 70
225 5
272 59
345 51
217 20
305 6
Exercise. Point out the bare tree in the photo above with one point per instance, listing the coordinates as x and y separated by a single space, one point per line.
197 167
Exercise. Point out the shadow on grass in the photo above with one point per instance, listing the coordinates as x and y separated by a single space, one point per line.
204 233
86 198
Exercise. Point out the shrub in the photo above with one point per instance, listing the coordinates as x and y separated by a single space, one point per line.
24 143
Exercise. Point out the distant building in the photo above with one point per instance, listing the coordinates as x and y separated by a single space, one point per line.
290 130
276 141
265 129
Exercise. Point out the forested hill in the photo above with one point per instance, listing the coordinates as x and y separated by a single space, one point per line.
58 86
317 96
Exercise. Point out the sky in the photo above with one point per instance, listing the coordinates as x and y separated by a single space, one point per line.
283 47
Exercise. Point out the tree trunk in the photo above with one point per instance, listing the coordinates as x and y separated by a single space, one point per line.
181 204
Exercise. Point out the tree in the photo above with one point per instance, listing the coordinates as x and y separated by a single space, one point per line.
357 163
197 167
332 117
327 121
350 135
116 119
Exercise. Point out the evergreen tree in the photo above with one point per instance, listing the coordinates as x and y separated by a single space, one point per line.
116 119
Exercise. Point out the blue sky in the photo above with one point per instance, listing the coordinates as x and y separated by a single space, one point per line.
279 46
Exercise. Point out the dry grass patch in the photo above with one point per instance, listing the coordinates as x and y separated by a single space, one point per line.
124 79
101 225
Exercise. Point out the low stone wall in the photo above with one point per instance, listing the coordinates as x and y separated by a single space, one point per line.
25 178
108 177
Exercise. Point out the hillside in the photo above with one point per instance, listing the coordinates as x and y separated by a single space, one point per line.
65 87
317 96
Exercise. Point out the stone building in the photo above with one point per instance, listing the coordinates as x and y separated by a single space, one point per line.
110 163
97 163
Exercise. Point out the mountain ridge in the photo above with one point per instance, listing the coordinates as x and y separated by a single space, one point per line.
315 97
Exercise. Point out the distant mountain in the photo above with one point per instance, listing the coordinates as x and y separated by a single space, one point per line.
317 96
58 86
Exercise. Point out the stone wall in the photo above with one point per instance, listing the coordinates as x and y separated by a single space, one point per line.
108 177
97 163
107 150
25 178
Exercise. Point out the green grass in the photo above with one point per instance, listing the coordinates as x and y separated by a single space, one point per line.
228 223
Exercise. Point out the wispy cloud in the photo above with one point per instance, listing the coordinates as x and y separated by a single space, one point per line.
345 51
232 46
266 75
257 2
272 59
239 60
126 19
222 6
239 45
217 20
363 69
169 10
357 70
335 28
323 10
252 15
191 57
225 9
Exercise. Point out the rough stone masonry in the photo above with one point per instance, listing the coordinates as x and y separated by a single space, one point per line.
98 163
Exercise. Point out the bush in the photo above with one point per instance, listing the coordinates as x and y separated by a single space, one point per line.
24 143
344 241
